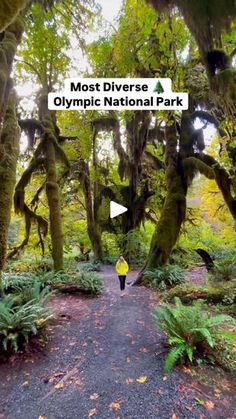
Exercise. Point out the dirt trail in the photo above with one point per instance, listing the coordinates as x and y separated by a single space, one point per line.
97 350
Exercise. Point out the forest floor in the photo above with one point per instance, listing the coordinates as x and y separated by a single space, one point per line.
104 358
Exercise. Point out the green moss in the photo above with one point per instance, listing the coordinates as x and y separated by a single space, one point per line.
192 162
17 26
9 10
3 77
10 138
212 294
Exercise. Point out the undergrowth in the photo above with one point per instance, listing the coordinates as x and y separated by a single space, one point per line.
191 331
164 277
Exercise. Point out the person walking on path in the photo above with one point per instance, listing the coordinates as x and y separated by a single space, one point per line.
122 269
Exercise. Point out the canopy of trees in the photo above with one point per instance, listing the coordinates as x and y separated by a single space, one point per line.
61 169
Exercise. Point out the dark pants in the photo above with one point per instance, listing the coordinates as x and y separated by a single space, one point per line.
122 279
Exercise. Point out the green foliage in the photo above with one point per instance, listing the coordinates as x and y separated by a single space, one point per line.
89 282
165 277
33 293
19 322
224 270
109 260
185 258
133 247
91 267
190 330
224 293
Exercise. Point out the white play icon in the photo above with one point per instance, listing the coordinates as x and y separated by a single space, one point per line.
116 209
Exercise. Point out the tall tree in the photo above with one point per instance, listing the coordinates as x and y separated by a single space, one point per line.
9 133
48 63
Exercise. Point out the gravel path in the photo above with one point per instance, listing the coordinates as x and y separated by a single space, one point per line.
104 359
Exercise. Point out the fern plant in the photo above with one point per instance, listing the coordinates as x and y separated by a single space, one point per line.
91 267
18 323
89 282
224 270
190 330
164 277
34 293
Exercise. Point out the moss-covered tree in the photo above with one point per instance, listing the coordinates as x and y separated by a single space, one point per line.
10 139
9 130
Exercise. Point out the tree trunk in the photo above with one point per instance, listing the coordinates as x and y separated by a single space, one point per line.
50 144
92 226
9 131
10 140
53 196
174 209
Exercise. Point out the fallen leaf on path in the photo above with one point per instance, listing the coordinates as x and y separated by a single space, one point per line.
55 376
187 370
142 379
209 405
217 393
144 350
114 405
54 349
78 382
164 378
129 380
59 386
92 412
94 396
25 383
181 388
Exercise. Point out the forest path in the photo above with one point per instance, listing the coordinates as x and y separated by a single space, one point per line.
97 350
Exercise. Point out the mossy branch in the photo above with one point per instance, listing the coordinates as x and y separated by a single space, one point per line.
202 167
30 217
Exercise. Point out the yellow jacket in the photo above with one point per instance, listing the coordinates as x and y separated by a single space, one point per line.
122 268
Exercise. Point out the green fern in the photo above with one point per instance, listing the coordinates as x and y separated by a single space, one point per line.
189 329
18 323
164 277
173 356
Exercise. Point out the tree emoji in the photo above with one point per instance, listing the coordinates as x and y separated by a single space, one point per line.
158 88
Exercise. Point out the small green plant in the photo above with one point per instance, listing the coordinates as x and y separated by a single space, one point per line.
190 330
91 267
165 277
15 283
109 260
33 293
224 270
19 322
221 292
90 282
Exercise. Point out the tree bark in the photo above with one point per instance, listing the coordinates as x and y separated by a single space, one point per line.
52 188
174 209
53 196
9 130
93 228
10 139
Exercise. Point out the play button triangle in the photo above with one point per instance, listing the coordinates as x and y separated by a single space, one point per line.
116 209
